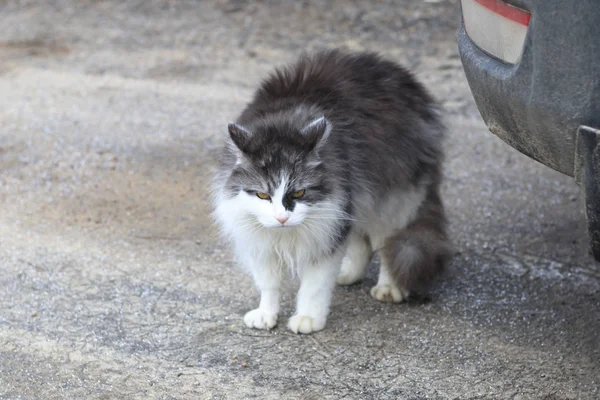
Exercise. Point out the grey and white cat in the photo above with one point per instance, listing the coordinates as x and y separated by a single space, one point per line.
337 157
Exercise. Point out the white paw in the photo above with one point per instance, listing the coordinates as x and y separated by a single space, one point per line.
306 324
260 319
388 294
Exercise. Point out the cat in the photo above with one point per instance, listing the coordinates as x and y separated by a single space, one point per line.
337 157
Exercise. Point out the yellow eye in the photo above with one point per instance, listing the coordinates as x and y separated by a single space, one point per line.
298 194
263 196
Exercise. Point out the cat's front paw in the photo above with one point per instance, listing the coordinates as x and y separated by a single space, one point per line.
306 324
260 319
388 294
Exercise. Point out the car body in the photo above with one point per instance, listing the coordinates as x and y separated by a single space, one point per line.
533 67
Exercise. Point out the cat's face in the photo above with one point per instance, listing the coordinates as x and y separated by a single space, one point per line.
278 178
276 206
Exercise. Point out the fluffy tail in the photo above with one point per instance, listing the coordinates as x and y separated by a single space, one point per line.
418 253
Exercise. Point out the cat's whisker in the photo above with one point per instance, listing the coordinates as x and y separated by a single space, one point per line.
244 224
336 213
319 229
329 211
337 210
303 231
256 229
336 219
332 215
251 226
248 225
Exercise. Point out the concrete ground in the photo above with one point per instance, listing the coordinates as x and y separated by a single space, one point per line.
113 284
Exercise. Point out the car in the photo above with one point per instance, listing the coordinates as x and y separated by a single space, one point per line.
533 67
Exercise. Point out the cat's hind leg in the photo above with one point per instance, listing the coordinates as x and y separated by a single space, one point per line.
386 289
413 256
355 261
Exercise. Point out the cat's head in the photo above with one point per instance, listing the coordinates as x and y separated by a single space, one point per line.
278 176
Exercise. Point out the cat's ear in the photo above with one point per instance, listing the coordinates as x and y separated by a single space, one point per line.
240 135
317 132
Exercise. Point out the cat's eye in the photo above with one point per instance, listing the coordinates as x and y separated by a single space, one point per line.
298 194
263 196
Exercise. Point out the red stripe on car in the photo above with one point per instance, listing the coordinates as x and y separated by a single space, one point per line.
507 11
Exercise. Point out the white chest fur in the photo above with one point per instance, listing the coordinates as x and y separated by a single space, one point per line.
287 247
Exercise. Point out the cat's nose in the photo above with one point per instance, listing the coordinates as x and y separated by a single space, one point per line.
282 218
